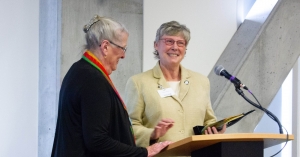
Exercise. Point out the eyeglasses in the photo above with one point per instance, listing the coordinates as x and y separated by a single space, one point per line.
169 41
123 48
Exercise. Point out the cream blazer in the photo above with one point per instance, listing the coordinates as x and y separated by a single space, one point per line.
146 107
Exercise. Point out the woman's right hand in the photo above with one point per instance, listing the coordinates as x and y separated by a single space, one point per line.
161 128
157 147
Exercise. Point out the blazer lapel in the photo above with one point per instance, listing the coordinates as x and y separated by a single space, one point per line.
184 83
162 83
157 73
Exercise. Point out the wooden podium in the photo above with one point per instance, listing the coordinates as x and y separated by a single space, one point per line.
225 145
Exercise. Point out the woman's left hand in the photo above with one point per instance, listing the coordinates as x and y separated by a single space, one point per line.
214 130
157 147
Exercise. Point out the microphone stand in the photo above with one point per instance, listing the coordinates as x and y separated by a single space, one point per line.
270 114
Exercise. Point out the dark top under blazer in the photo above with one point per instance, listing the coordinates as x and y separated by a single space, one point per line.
91 119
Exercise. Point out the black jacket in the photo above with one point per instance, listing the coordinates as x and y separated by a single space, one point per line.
91 118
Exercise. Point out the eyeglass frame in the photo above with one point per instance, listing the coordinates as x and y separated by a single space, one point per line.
123 48
164 39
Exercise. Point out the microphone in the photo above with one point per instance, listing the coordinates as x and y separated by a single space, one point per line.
220 70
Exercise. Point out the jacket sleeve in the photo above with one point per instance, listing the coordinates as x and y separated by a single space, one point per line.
136 108
96 111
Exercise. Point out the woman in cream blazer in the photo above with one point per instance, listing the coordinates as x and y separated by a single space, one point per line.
168 93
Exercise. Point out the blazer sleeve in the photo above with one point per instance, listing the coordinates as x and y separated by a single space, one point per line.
209 116
136 107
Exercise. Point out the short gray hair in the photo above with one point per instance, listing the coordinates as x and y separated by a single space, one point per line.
172 28
102 28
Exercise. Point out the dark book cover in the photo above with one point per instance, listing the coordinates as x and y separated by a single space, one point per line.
199 130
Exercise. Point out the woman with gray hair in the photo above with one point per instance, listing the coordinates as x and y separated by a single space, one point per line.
169 94
92 117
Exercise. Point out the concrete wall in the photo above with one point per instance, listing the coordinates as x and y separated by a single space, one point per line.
262 61
77 13
296 109
49 73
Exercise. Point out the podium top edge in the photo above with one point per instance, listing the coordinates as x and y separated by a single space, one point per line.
243 136
233 137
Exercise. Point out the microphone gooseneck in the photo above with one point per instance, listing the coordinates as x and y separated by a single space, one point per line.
220 70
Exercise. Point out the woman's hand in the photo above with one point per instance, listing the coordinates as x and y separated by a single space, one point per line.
157 147
214 130
161 128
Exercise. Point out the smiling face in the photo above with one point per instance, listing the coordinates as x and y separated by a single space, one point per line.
115 53
170 55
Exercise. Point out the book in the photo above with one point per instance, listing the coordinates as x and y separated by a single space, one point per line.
200 130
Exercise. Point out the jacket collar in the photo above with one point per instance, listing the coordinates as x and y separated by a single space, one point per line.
184 82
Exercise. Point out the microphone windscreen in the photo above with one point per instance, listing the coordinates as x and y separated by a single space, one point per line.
218 69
